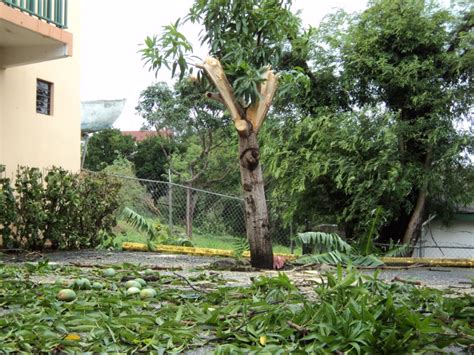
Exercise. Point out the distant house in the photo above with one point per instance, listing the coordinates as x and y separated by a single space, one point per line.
455 240
140 136
39 85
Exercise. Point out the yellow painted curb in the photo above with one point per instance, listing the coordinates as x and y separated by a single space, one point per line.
174 249
429 261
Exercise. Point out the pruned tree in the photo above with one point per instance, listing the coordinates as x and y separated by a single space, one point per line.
245 39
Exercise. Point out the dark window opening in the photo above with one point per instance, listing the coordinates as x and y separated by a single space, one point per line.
44 97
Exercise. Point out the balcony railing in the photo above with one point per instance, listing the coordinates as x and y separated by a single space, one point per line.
52 11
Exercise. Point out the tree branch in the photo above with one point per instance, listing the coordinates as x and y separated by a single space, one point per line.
213 69
215 96
258 111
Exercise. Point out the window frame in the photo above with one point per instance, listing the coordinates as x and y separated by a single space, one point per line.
50 98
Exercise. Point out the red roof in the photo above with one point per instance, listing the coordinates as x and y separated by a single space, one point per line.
139 136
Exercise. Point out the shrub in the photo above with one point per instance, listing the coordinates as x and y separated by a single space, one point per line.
8 215
31 216
96 213
64 210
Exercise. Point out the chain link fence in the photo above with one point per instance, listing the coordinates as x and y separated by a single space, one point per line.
207 218
216 220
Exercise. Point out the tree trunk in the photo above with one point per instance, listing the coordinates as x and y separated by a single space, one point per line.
416 219
247 122
256 214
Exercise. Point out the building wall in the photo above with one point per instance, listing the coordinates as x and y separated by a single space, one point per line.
459 234
36 140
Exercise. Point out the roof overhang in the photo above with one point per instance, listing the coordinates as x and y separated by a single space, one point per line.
25 39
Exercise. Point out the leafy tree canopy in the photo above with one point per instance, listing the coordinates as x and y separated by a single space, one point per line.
106 146
246 36
376 119
150 159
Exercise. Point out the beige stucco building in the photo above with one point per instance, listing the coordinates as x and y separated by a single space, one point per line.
39 84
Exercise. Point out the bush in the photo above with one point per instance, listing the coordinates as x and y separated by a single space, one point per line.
62 210
8 215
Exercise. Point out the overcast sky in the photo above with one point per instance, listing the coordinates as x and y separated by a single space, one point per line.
112 30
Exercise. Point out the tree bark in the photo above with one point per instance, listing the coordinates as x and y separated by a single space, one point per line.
256 214
247 122
416 219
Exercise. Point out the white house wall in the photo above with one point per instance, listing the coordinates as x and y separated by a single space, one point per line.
459 234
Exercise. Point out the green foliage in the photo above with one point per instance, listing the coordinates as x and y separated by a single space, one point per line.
132 193
149 159
240 246
329 248
351 313
155 232
61 200
335 257
246 36
29 206
395 250
8 214
323 242
198 152
60 210
106 146
377 118
340 164
95 214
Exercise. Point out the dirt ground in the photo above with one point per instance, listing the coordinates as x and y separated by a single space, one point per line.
455 278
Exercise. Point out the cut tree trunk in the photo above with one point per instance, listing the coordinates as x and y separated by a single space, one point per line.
247 122
256 214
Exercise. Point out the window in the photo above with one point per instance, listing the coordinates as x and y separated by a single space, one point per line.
44 97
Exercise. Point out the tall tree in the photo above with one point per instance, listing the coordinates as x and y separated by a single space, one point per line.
245 37
199 134
150 160
106 146
400 75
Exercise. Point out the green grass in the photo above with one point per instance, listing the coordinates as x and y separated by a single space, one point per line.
126 233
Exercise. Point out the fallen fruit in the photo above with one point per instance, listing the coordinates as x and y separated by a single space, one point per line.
140 281
133 291
73 337
97 286
60 281
66 295
147 293
133 283
109 272
149 272
82 284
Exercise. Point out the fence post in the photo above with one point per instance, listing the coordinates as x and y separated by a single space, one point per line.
292 242
170 203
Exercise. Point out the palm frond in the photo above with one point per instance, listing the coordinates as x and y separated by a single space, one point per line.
398 250
324 241
240 246
139 222
335 257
